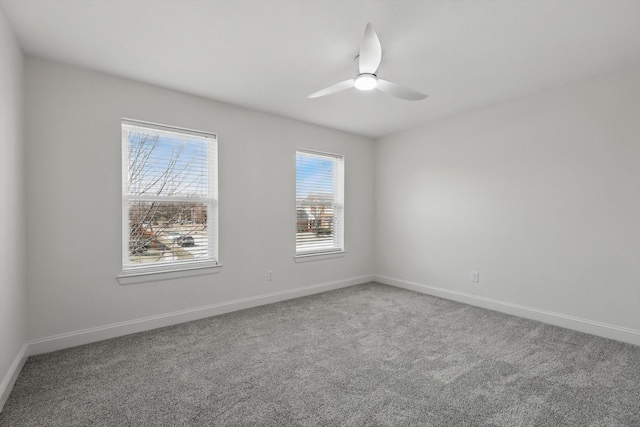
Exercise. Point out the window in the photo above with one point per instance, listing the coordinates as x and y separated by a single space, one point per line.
319 203
170 206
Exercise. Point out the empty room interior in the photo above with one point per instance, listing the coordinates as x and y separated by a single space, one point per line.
320 213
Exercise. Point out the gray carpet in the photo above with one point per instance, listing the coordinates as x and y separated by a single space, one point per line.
365 355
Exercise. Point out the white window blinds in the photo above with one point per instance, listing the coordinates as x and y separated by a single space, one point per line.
169 192
319 202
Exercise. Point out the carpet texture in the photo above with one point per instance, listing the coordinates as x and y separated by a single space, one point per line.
360 356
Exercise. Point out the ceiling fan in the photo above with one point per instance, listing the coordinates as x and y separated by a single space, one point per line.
367 79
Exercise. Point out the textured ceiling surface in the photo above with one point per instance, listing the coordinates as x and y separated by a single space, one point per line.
269 55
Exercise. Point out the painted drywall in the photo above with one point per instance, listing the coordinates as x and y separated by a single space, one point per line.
13 315
74 201
540 195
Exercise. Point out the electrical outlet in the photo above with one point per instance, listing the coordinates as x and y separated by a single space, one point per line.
269 275
475 276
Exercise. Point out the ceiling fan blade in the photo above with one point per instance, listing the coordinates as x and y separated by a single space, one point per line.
370 51
333 89
399 91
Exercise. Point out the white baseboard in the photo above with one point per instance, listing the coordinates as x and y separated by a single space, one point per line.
618 333
10 378
86 336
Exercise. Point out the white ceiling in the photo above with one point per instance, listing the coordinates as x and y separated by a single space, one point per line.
269 55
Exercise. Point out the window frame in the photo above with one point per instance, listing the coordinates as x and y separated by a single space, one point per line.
338 204
132 273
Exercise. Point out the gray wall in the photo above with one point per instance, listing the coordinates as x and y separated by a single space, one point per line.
13 315
540 195
74 200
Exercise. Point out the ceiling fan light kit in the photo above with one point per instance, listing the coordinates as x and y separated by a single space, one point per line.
367 79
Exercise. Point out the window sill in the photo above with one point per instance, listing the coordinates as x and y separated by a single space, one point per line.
319 256
154 276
